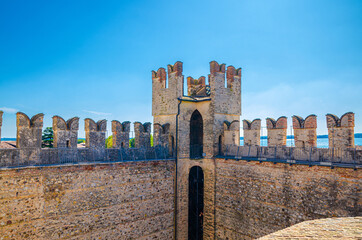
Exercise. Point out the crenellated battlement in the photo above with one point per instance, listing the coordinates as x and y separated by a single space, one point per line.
341 130
231 132
29 151
277 131
65 132
29 131
252 132
305 131
166 88
142 134
196 87
121 134
226 99
162 135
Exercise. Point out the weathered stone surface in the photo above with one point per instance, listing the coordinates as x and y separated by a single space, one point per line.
120 134
254 199
252 132
105 201
29 131
329 228
277 131
95 133
142 134
341 130
65 132
305 131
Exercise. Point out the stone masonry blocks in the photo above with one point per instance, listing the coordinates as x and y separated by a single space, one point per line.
95 133
164 99
252 132
305 131
341 130
29 131
231 132
65 132
277 131
142 134
161 134
226 100
120 134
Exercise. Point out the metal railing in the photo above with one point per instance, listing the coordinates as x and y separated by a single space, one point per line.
310 156
54 156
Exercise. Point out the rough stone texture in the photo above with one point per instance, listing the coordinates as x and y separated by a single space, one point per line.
1 122
305 131
329 228
226 100
161 134
231 133
196 87
341 130
65 132
120 134
95 133
252 132
277 131
164 100
29 131
131 200
254 199
142 134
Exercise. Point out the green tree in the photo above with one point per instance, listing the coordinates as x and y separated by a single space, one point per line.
132 143
47 138
109 142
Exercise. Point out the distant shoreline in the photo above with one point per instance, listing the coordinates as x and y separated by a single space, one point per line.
356 135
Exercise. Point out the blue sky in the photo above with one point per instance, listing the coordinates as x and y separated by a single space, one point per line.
94 58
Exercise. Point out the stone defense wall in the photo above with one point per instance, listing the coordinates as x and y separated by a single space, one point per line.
252 132
305 131
254 199
130 200
340 130
277 131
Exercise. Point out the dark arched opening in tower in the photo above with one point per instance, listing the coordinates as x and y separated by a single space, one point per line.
196 135
196 203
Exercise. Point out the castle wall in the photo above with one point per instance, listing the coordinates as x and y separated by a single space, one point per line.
104 201
226 100
254 199
341 130
183 170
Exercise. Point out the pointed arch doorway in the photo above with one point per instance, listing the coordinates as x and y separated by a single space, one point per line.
196 203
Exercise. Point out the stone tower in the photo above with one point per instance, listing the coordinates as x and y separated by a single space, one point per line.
199 123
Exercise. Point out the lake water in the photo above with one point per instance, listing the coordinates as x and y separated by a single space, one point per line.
321 142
